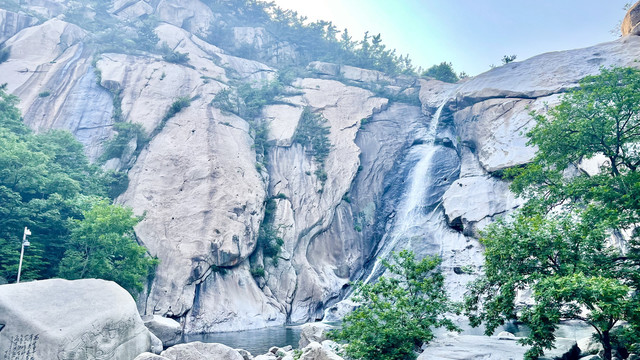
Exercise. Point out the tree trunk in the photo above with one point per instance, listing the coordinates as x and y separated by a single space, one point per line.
606 344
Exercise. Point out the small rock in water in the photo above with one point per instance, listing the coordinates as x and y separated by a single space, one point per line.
245 354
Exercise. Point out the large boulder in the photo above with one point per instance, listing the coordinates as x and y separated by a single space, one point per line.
80 319
167 330
630 22
199 350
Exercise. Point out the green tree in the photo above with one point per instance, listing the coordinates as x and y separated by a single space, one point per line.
45 181
443 72
397 314
560 244
103 245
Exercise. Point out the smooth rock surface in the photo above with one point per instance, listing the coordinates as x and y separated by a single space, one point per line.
62 319
548 73
167 330
472 347
471 200
199 351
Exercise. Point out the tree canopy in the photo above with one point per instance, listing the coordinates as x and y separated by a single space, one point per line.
574 243
48 185
397 314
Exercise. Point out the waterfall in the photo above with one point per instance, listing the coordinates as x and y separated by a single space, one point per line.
412 220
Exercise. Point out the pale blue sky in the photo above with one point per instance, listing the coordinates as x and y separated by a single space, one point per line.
472 34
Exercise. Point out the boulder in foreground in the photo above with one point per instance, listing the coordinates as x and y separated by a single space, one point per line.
79 319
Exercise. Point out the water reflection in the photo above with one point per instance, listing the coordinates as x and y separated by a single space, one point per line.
257 342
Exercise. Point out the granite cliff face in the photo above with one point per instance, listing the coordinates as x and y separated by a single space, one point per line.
411 165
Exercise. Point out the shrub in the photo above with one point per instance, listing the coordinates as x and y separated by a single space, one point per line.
258 272
397 314
172 56
44 94
443 72
115 147
313 133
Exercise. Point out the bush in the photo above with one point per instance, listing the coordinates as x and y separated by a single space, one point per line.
114 148
176 57
313 133
44 94
172 56
397 314
258 272
443 72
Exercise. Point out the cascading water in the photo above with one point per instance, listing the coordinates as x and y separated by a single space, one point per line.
412 216
419 223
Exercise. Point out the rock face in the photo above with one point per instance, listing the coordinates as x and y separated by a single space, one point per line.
11 23
630 22
413 163
80 319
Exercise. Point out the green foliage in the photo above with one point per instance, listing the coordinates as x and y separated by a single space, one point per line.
397 314
44 94
313 133
108 33
103 245
115 147
46 182
268 239
258 272
443 72
559 244
117 104
5 52
173 56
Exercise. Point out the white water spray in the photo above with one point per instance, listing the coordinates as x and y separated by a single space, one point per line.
411 218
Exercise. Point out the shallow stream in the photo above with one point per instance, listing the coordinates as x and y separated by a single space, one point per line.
257 342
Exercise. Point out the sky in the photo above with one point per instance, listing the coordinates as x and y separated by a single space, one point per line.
471 34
